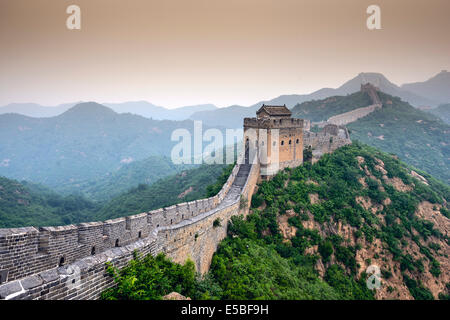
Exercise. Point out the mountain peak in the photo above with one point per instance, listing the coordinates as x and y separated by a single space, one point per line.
377 79
371 77
89 108
436 88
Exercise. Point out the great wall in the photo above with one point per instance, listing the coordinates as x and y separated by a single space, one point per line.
355 114
69 262
351 116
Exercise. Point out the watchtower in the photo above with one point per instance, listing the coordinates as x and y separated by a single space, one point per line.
274 139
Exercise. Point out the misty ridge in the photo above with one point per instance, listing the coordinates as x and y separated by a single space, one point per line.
430 93
86 142
73 144
100 153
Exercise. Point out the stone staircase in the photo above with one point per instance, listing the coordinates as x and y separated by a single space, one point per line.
238 184
242 175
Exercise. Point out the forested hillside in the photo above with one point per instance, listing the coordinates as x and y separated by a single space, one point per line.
321 110
127 176
185 186
25 204
443 112
418 138
312 233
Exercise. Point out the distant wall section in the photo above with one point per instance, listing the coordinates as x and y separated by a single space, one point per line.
330 138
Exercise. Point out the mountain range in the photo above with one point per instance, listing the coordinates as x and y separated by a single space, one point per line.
233 116
142 108
148 110
437 88
417 137
90 148
86 142
431 92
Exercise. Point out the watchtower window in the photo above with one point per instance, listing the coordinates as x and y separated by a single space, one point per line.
117 243
290 141
297 141
93 251
61 261
282 142
171 221
140 234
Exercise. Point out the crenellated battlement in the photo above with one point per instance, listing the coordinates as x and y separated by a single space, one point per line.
330 138
68 262
29 250
269 123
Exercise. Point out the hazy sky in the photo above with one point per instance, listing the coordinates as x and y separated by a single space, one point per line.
182 52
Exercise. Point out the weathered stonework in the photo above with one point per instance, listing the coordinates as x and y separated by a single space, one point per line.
328 140
352 116
69 262
273 139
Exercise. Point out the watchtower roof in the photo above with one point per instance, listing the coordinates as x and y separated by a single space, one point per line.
276 111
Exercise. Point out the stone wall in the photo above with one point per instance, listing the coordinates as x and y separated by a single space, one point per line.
69 262
84 279
372 91
330 138
197 238
352 116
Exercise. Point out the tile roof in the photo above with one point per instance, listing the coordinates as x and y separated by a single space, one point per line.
275 110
